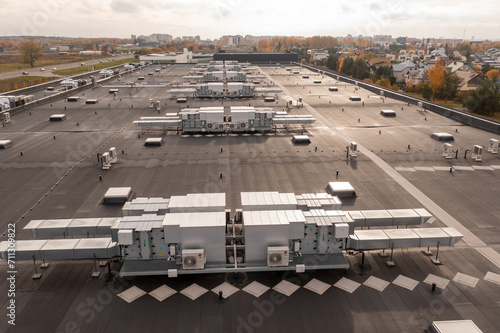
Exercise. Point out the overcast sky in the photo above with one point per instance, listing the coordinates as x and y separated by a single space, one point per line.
212 19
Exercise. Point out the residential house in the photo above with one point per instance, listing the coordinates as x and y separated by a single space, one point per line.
401 70
418 75
375 63
468 80
455 66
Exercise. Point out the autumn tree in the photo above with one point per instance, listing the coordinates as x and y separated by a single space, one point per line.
493 74
263 46
362 54
386 83
370 55
31 51
485 99
436 77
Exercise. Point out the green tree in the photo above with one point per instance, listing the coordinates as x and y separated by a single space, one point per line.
485 99
347 65
426 92
31 51
333 62
360 69
485 68
450 85
383 71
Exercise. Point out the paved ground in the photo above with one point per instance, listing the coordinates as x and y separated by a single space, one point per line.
187 164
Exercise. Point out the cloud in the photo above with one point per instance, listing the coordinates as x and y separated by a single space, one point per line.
346 8
374 6
125 6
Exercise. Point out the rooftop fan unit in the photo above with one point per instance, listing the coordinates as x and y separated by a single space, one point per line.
221 126
113 157
106 161
211 125
277 256
244 124
477 152
493 146
6 119
448 150
193 259
354 149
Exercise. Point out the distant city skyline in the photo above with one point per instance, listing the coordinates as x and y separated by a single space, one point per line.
122 18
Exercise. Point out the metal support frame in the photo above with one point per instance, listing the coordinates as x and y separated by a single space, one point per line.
44 264
436 261
390 262
96 273
37 275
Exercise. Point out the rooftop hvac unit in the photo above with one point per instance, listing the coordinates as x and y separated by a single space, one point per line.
477 152
193 259
105 161
211 125
492 146
6 119
243 124
277 256
448 150
221 126
232 126
112 155
354 149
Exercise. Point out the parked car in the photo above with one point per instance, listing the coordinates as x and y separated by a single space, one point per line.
42 69
25 73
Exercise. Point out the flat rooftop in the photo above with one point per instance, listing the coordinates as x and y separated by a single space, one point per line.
399 166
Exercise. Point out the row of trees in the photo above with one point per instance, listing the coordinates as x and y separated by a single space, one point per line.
359 69
438 83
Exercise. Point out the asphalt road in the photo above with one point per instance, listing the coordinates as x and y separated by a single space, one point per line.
48 72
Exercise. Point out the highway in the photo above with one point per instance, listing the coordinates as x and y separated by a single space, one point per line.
48 72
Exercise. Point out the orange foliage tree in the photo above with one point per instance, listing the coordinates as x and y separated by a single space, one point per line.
264 46
437 76
493 74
